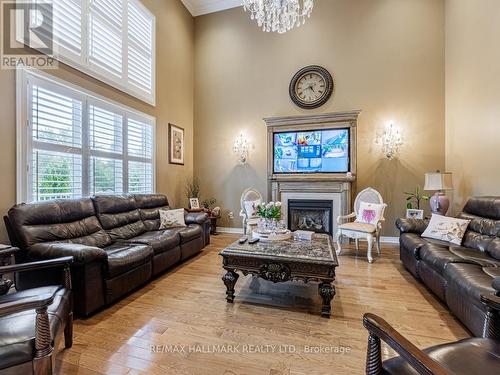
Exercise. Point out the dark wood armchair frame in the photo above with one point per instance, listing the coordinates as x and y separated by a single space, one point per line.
42 361
379 330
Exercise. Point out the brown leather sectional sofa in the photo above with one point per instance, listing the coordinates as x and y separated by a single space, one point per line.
458 275
115 242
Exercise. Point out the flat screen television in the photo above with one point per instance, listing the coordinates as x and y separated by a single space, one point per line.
315 151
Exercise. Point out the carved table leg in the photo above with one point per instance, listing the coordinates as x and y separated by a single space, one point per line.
230 279
327 292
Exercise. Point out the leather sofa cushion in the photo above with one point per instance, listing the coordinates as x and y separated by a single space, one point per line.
414 242
465 357
17 331
119 216
123 257
471 279
70 220
484 206
438 257
191 232
160 241
493 248
149 205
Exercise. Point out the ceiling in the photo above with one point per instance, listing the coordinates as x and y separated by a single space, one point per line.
200 7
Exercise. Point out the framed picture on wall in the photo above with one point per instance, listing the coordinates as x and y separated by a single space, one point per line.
176 144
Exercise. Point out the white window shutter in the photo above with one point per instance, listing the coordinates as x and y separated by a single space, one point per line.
78 144
105 36
68 26
140 47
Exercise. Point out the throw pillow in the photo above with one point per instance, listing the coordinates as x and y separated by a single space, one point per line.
172 218
446 229
251 207
369 213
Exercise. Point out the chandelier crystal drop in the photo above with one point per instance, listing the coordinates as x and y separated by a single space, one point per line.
279 15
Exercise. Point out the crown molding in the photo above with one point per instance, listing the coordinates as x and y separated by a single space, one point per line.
201 7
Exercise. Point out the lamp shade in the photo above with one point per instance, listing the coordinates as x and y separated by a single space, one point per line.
438 181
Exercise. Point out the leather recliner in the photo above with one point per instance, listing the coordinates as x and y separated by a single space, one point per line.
115 242
458 275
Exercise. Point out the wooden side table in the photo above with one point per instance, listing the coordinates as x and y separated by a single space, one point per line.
213 225
6 253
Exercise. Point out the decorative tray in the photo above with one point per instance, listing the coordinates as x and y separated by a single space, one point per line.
272 236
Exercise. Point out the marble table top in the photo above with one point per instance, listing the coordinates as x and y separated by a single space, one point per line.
319 250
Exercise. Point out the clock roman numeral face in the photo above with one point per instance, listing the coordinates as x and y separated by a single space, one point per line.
310 87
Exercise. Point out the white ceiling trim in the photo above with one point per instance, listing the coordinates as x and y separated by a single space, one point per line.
201 7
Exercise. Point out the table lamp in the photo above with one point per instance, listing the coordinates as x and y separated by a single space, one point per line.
439 182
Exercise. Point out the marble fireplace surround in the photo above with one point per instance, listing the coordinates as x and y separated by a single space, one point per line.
337 187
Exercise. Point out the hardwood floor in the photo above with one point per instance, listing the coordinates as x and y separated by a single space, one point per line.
269 328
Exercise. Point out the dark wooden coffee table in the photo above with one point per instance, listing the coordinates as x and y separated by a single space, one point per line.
281 261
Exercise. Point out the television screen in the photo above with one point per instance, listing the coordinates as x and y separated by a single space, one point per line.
316 151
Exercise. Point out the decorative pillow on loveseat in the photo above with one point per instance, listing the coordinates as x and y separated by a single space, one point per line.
369 213
172 219
446 229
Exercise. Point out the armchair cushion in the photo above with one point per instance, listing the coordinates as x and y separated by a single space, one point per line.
81 253
17 331
359 227
370 213
250 207
467 356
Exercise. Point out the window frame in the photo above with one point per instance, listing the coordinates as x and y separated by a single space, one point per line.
24 141
83 64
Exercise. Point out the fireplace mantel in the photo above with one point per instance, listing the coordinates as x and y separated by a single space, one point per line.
336 187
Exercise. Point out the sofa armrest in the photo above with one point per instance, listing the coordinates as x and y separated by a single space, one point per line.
81 254
378 330
412 225
195 217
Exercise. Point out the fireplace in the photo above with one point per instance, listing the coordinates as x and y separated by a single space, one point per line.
310 215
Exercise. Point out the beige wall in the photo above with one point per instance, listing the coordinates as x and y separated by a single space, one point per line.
387 58
473 97
174 82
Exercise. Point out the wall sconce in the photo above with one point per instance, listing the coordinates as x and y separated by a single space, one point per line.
240 148
391 141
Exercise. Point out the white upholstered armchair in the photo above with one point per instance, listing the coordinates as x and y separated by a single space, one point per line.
369 210
249 201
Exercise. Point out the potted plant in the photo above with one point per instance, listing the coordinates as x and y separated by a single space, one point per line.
413 200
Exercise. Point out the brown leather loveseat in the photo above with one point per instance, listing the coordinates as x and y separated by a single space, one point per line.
458 275
115 242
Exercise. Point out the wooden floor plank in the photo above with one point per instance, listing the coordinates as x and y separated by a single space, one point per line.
186 308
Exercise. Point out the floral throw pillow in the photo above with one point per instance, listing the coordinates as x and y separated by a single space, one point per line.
172 218
446 229
369 213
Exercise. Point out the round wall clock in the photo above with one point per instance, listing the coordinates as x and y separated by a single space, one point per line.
311 87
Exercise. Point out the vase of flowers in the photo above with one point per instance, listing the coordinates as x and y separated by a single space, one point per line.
270 215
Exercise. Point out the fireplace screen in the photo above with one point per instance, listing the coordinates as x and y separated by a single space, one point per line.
311 215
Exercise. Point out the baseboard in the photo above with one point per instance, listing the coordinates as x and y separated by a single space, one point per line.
229 230
384 239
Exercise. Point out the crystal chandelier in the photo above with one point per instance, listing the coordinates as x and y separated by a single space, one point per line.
279 15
